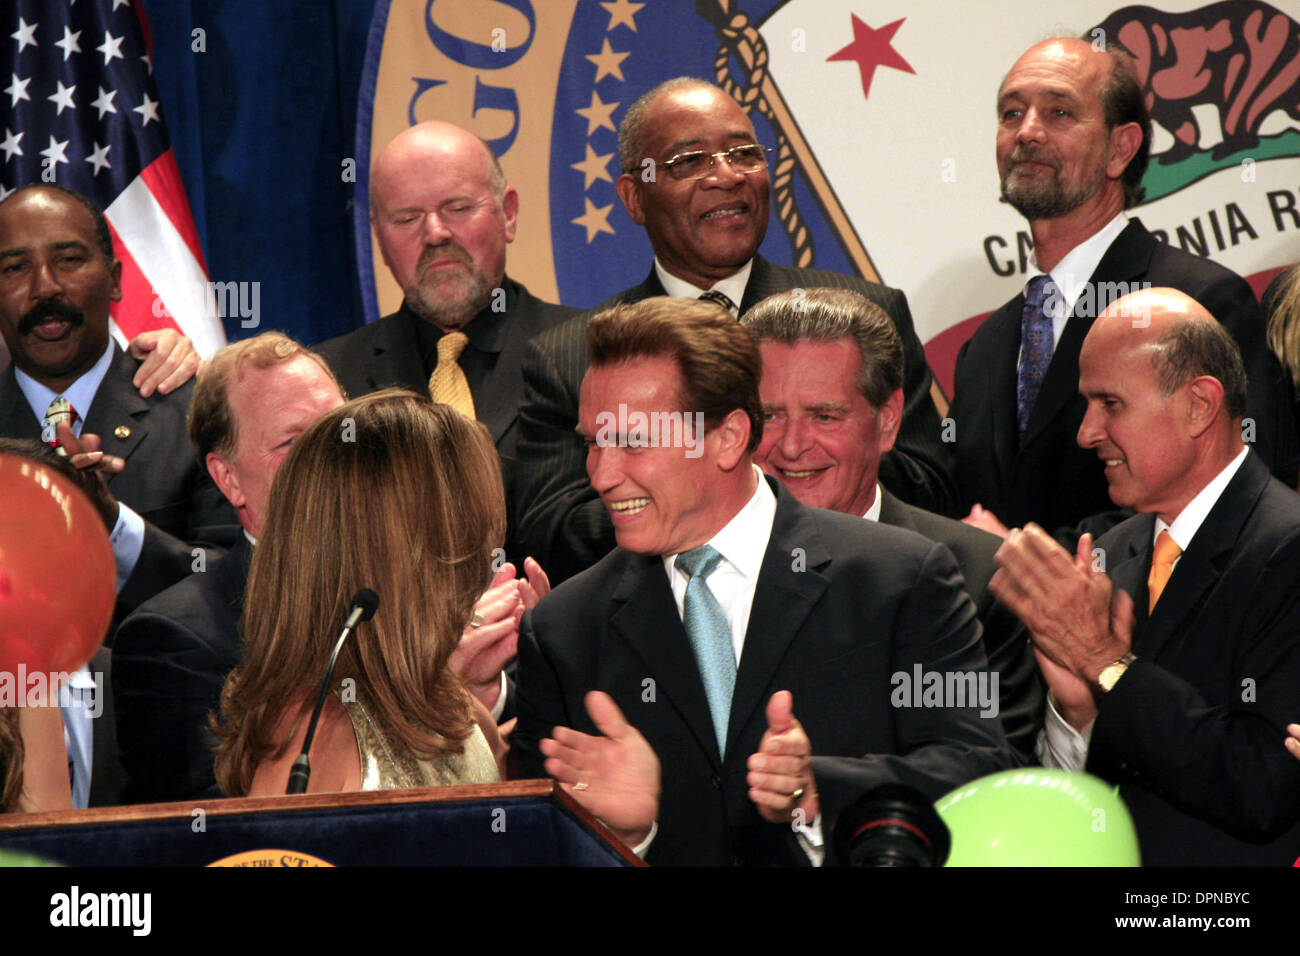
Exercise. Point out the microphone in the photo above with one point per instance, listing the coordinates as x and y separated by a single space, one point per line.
364 604
892 825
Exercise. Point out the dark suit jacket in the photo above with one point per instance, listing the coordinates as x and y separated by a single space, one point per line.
1047 478
107 777
387 353
171 659
1006 641
858 603
563 523
162 481
1193 731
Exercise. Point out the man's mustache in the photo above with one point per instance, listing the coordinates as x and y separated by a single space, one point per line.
446 250
1032 156
51 310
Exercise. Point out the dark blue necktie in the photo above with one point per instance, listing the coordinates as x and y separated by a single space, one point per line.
1036 344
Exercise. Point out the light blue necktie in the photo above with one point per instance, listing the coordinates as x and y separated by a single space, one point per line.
710 636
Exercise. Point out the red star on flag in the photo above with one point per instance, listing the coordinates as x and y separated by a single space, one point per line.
870 49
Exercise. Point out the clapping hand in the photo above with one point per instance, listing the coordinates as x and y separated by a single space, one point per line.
614 777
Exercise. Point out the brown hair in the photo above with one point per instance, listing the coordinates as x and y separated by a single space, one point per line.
211 424
718 360
389 491
828 315
1123 101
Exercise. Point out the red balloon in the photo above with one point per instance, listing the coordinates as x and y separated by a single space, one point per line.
58 578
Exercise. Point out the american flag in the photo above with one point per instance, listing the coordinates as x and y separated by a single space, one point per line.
80 106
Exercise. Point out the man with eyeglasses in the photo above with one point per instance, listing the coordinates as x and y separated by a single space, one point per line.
696 178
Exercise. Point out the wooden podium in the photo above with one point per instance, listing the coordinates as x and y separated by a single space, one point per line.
522 823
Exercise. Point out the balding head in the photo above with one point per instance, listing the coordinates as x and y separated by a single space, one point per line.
1166 391
443 215
1073 131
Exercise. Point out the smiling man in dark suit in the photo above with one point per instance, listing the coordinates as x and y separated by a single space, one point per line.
1074 138
696 179
57 278
70 385
1173 671
745 642
443 215
832 397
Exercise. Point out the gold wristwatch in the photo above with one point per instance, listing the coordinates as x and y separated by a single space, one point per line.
1113 672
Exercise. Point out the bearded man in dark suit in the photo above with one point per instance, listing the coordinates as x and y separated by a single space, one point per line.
443 214
1074 138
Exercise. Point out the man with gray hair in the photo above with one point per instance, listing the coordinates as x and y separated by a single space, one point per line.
1169 647
832 395
696 178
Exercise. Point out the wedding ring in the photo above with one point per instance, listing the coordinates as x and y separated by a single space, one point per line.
797 794
476 619
580 786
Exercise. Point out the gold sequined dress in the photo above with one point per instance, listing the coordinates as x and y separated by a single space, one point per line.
387 766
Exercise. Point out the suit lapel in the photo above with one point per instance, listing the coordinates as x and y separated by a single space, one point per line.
118 415
645 617
763 281
1129 566
395 354
1127 258
17 420
1005 353
782 600
1202 563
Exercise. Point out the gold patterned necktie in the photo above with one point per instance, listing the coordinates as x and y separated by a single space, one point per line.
59 413
1162 567
448 384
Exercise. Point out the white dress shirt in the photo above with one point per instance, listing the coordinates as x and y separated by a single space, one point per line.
1060 745
742 544
1072 273
733 286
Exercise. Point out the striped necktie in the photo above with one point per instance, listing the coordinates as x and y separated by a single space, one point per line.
59 413
719 298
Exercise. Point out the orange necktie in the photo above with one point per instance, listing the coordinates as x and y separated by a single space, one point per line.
1162 566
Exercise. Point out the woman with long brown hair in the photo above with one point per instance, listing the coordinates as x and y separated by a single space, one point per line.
397 494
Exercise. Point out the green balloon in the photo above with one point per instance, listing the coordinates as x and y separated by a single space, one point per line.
10 858
1039 817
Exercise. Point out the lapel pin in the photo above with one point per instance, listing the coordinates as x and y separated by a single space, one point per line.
122 432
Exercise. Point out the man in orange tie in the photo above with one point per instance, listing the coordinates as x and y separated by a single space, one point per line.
1170 646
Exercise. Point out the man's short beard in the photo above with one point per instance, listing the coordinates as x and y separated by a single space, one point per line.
456 302
1048 200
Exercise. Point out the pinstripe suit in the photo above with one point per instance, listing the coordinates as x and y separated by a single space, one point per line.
561 520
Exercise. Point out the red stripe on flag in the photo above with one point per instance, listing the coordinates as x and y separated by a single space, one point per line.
144 26
163 177
134 314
